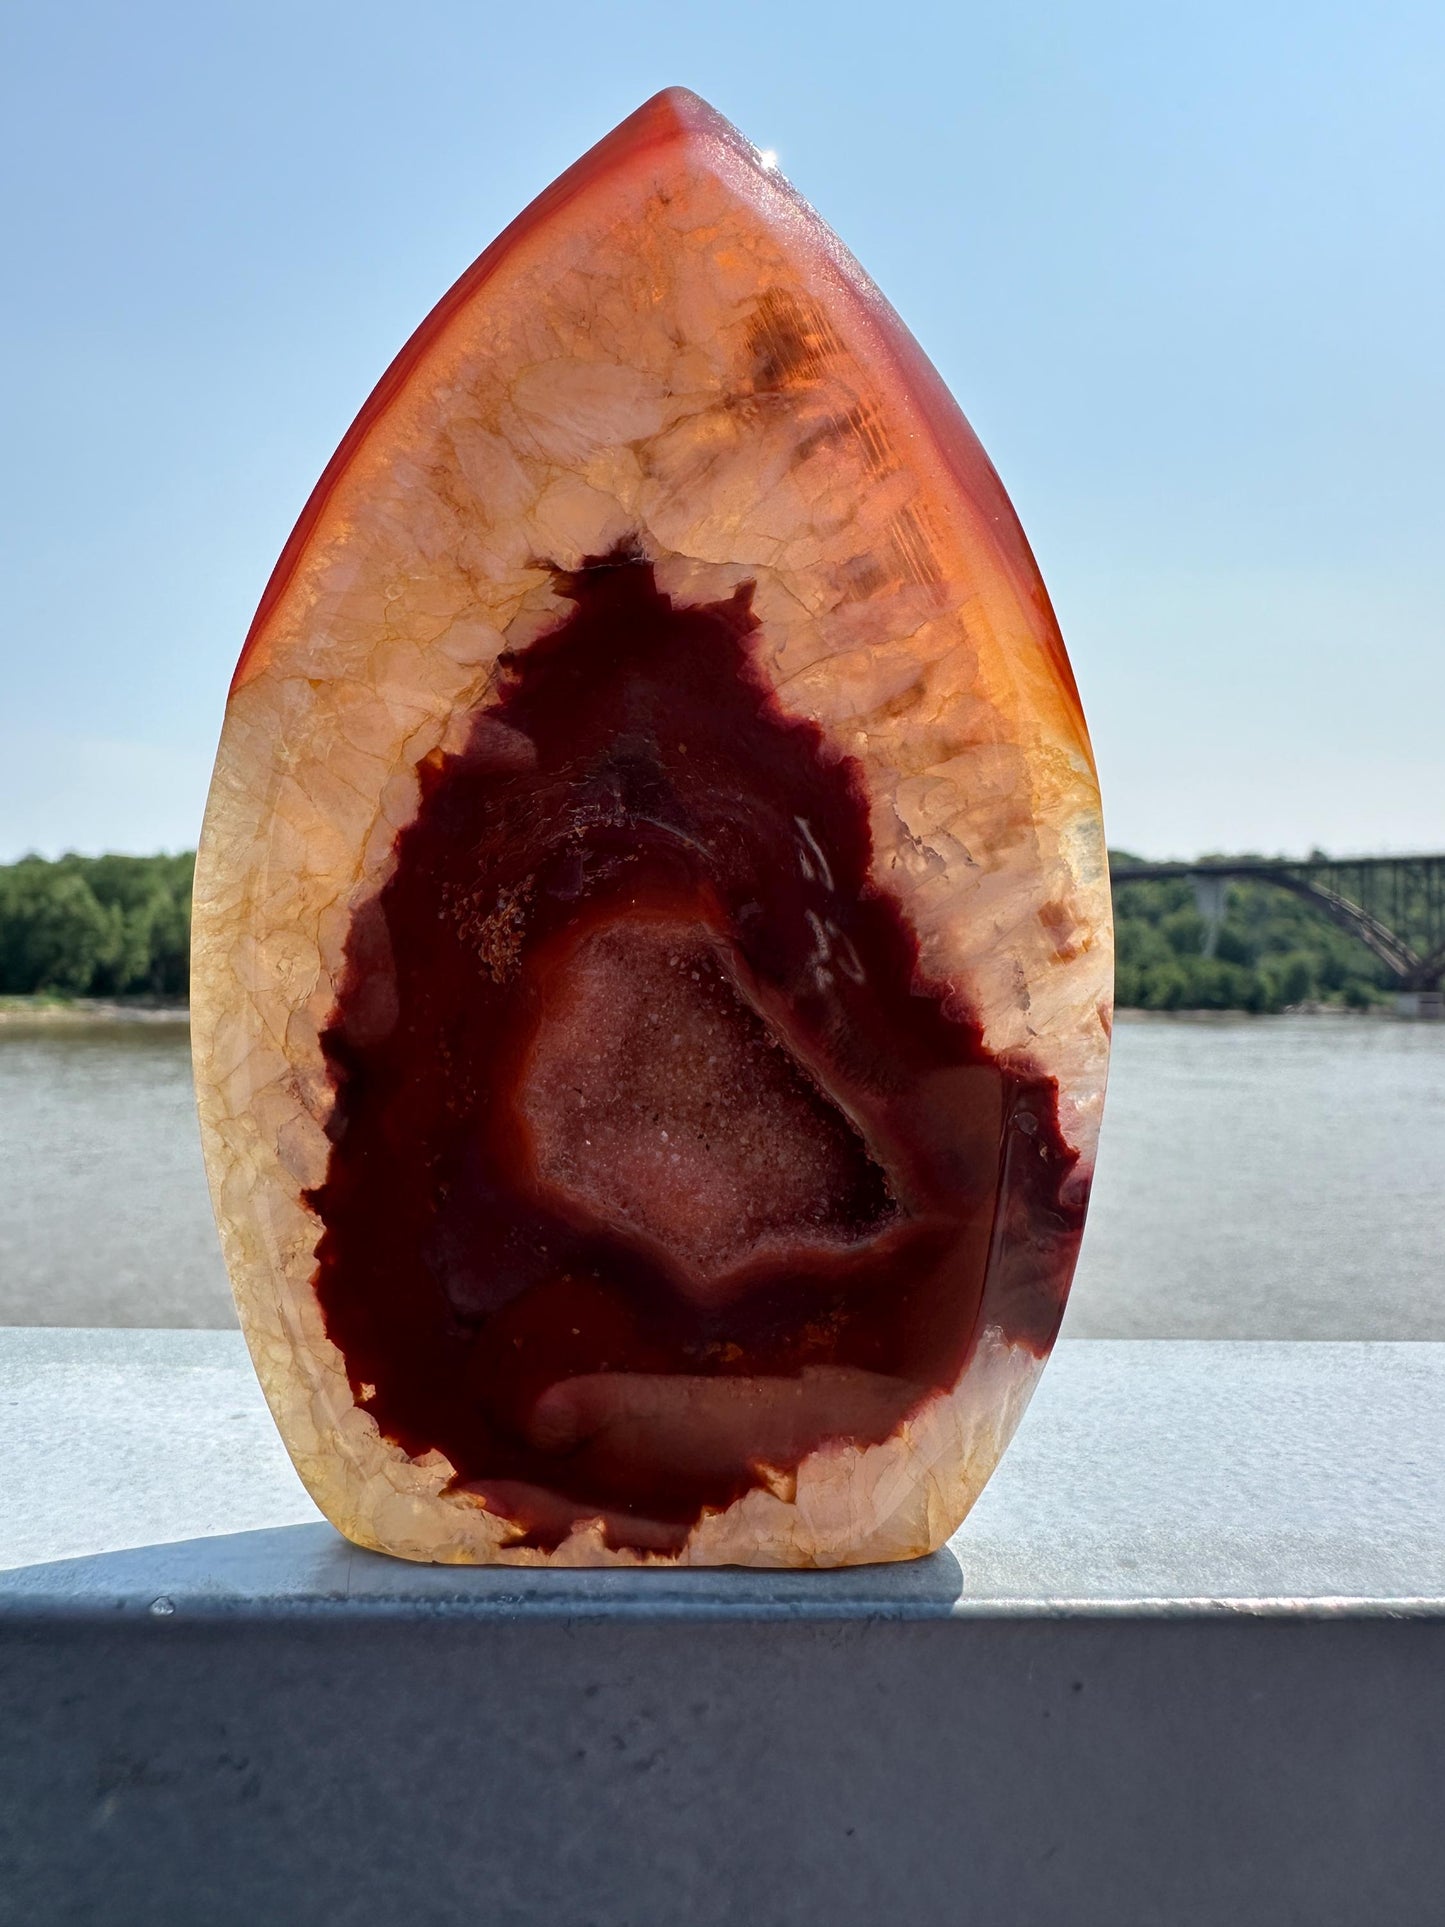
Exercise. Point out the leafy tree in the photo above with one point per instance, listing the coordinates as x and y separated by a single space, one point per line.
1272 951
99 926
54 933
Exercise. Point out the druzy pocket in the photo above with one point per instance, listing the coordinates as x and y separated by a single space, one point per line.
651 976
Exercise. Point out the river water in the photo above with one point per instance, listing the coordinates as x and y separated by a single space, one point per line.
1274 1177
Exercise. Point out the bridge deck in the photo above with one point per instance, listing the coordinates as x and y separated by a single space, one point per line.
1395 905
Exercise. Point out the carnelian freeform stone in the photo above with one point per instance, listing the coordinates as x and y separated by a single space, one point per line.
652 958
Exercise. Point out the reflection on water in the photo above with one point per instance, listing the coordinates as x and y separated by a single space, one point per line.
104 1218
1269 1177
1260 1178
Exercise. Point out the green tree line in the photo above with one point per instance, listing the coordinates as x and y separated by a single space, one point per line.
1272 952
96 926
111 926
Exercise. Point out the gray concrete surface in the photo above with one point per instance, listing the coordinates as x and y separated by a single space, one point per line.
1185 1663
1148 1476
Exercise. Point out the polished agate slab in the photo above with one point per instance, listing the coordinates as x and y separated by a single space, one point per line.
652 955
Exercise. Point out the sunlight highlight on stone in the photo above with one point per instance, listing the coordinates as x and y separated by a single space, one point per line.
652 944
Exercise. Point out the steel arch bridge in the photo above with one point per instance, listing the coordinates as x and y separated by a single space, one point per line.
1395 905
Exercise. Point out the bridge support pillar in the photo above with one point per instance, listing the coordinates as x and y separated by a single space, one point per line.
1209 901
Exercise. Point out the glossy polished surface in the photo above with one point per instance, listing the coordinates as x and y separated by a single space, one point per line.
654 1162
652 931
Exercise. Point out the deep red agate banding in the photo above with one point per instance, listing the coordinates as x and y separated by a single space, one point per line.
636 1076
651 965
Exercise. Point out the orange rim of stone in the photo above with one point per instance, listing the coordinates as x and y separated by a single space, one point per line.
773 432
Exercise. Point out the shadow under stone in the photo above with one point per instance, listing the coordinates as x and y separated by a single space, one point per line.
311 1569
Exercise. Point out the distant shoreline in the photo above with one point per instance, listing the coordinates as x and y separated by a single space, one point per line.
106 940
1138 1014
16 1012
27 1013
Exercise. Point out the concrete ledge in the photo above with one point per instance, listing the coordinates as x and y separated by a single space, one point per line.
1186 1663
1150 1477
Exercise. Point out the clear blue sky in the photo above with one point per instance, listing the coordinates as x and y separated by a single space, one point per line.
1182 266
